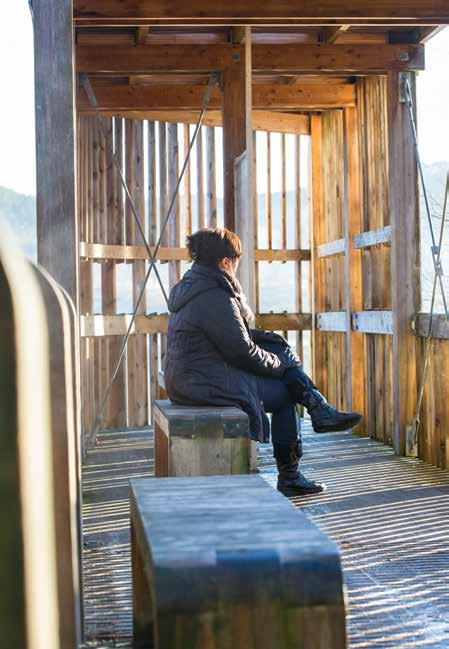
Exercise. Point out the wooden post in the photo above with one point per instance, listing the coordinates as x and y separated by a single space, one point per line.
404 258
353 263
238 139
317 302
57 230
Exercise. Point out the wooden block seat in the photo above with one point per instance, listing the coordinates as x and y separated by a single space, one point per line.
194 441
226 562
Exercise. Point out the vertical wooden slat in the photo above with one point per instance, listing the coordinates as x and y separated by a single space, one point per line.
211 190
319 364
284 192
154 372
187 184
200 179
269 206
152 199
404 258
174 228
298 217
162 178
256 224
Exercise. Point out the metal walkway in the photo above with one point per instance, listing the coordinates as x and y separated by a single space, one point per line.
389 515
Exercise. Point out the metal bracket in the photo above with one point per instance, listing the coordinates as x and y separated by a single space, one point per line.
404 80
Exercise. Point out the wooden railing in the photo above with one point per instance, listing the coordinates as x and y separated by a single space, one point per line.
40 458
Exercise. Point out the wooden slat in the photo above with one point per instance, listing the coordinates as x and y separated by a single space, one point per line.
162 179
298 217
262 120
373 322
152 195
373 237
268 194
116 325
187 184
404 255
200 179
283 193
249 11
211 190
440 325
122 60
331 248
122 98
174 225
318 305
331 321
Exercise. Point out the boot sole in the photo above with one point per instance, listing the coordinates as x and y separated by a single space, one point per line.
337 428
291 493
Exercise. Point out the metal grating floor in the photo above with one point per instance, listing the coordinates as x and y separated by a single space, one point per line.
389 515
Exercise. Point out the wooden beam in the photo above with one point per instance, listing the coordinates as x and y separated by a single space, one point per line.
109 12
373 237
262 120
439 329
122 98
57 229
403 188
117 325
128 60
337 58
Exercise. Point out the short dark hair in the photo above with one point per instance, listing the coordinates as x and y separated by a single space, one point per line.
210 245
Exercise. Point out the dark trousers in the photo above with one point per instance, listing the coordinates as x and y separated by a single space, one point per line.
278 400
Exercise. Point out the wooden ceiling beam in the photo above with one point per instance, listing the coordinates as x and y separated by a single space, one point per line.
127 60
254 11
170 97
263 120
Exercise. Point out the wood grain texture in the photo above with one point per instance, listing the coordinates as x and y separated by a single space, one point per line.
228 545
56 210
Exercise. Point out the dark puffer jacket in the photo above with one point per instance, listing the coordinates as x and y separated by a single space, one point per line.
212 356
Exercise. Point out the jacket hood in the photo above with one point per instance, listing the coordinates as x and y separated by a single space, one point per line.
198 279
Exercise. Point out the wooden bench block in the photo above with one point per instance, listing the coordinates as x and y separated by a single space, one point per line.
195 441
226 562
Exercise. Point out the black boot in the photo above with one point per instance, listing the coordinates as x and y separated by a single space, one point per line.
291 482
325 418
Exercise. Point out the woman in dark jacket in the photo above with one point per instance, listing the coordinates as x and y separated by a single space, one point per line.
214 358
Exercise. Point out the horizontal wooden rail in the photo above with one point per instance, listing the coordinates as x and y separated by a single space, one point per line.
373 237
331 248
369 322
100 251
373 322
117 325
440 325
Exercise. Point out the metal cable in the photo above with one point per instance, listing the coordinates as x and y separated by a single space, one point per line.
93 102
212 82
436 257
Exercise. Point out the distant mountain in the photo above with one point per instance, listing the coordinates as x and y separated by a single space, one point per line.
19 211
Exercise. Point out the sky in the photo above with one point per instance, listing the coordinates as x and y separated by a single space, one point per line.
17 145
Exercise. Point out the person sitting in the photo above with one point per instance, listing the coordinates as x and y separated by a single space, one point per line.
215 358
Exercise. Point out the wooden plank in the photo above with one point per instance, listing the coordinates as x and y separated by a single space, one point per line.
331 321
440 325
117 325
331 248
373 322
187 184
283 162
162 180
348 11
152 195
174 224
298 217
353 266
211 189
404 259
268 194
317 226
119 252
56 204
121 98
123 60
200 179
373 237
